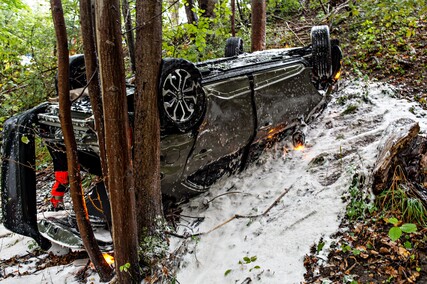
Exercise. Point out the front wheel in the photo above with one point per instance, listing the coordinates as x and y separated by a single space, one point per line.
182 102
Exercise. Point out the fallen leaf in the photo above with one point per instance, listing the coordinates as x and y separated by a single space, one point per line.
403 252
364 255
384 250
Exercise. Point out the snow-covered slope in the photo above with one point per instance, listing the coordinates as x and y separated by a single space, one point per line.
343 141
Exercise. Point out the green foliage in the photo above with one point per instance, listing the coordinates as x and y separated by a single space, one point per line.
247 260
32 245
396 231
27 53
244 262
400 200
198 41
43 158
379 31
125 267
359 205
347 248
320 246
350 109
283 8
12 5
154 246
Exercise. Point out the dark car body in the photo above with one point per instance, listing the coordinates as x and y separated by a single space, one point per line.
216 116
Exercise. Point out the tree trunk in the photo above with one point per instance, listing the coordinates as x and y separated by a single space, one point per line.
173 8
241 14
89 47
117 139
208 6
77 195
147 124
189 11
398 135
233 18
130 39
258 25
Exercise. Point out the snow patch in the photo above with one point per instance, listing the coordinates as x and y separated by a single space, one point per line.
343 141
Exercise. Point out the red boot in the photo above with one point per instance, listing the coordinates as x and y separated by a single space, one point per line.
58 190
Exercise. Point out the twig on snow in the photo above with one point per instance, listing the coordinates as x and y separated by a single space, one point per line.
236 216
226 193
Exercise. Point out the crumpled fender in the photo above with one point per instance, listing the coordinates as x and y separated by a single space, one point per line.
18 176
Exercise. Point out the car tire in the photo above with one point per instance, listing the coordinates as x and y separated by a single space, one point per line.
233 46
321 52
77 73
182 102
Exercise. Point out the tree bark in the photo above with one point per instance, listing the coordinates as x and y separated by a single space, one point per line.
398 135
258 25
191 15
147 124
130 39
89 47
77 195
233 18
208 6
117 139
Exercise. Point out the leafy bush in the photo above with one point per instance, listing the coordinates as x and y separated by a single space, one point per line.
27 53
198 41
379 31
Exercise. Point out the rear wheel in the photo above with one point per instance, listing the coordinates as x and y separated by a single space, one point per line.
321 53
233 46
182 102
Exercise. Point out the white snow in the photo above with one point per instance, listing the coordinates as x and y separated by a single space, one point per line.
338 146
312 208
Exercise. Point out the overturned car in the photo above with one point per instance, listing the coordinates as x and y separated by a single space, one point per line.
216 116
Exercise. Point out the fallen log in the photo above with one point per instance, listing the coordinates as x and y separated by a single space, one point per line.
398 137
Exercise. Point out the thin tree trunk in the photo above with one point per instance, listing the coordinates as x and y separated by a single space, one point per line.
173 7
191 15
77 195
241 14
147 124
89 47
233 18
130 39
208 7
118 144
258 25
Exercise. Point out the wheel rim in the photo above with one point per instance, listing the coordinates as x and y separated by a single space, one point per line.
179 95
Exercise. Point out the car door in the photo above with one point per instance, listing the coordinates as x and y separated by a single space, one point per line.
228 125
283 96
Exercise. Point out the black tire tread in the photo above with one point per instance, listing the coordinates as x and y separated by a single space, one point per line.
233 46
322 58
